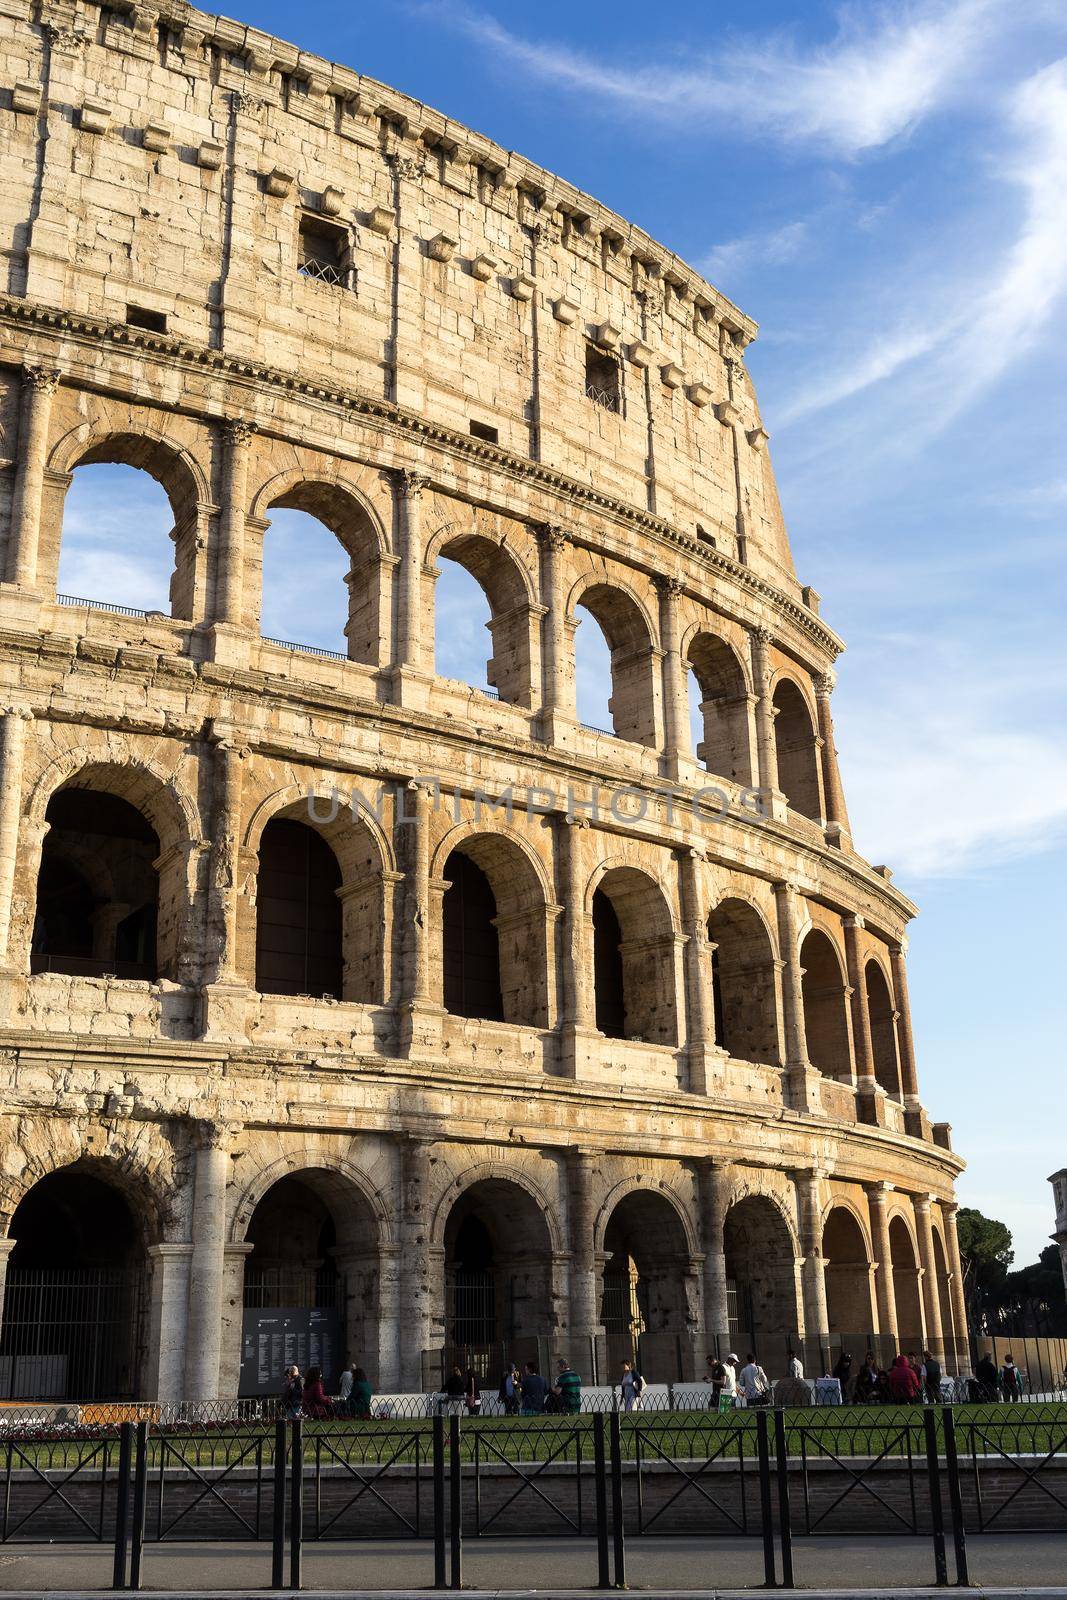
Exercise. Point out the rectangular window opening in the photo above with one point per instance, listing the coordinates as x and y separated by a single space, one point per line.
602 378
482 430
141 317
324 252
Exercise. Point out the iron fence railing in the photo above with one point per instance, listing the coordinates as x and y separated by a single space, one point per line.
103 605
306 649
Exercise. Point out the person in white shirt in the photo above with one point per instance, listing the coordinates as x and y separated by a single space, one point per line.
344 1390
795 1368
753 1382
728 1392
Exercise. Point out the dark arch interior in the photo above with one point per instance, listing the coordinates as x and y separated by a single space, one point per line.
723 748
298 922
850 1314
644 1305
906 1291
825 1007
794 737
471 942
74 1307
97 890
746 1012
607 968
883 1030
293 1235
760 1281
497 1250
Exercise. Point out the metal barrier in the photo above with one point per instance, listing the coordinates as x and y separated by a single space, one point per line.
770 1476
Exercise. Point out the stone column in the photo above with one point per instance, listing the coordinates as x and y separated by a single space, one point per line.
867 1089
766 749
713 1189
705 1059
207 1264
557 677
6 1247
38 388
226 996
167 1332
578 1011
837 825
809 1206
409 629
801 1079
13 726
419 1013
909 1082
584 1306
229 572
416 1289
677 742
961 1331
885 1293
935 1337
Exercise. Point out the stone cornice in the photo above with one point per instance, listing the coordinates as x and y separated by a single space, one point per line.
15 312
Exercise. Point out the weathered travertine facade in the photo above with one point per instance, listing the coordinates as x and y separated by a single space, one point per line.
270 282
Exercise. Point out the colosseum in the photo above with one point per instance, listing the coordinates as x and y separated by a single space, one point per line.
349 1011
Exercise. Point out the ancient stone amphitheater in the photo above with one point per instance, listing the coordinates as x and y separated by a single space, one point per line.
519 1037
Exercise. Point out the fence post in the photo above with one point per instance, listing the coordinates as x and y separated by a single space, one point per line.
440 1580
281 1451
601 1486
618 1526
955 1496
296 1504
933 1478
140 1500
785 1530
763 1456
455 1503
122 1506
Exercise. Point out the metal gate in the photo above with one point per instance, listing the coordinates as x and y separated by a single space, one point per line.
71 1334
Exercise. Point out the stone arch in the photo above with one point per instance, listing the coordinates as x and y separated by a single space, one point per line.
141 1170
146 783
726 747
147 449
648 1304
883 1018
761 1251
631 638
639 1185
797 748
846 1249
635 954
745 982
350 1179
345 513
508 588
360 928
502 1172
825 996
907 1294
495 923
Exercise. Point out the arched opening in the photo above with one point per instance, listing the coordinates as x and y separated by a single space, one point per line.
743 973
645 1304
944 1300
311 1283
761 1284
825 1007
798 755
849 1308
634 959
724 745
97 889
906 1291
298 912
498 1288
75 1305
632 704
480 585
494 947
322 573
883 1030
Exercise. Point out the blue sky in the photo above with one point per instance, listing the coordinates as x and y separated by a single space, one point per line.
885 190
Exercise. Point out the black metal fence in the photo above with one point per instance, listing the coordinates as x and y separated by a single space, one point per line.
771 1480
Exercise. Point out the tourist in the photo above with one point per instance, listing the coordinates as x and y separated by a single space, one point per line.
866 1388
932 1378
534 1391
472 1392
754 1383
631 1386
293 1392
794 1369
987 1378
843 1373
1009 1379
361 1395
317 1402
568 1389
904 1382
728 1393
716 1377
510 1390
454 1394
344 1391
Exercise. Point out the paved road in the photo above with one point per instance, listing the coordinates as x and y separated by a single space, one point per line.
653 1565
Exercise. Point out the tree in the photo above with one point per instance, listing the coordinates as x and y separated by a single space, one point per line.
1031 1301
986 1253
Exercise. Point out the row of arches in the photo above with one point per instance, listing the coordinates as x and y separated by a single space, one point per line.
322 579
314 1257
107 902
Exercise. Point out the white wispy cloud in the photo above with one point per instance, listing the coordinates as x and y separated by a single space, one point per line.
772 248
883 71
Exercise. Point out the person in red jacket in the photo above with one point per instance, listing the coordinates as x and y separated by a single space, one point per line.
903 1380
316 1401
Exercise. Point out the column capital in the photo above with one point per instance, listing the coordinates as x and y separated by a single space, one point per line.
899 948
16 709
949 1207
878 1190
762 635
785 887
854 920
213 1132
410 483
237 431
44 380
550 536
824 683
668 587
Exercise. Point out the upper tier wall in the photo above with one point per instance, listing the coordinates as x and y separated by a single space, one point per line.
184 155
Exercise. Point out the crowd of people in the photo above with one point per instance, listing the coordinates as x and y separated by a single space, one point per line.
525 1392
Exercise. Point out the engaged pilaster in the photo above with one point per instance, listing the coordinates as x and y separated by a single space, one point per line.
928 1261
212 1140
713 1192
884 1288
766 748
410 682
914 1117
584 1297
229 612
39 385
959 1355
816 1317
802 1081
705 1057
838 831
556 721
678 744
